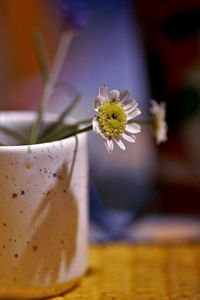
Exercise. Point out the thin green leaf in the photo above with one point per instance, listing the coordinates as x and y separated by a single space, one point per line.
141 122
37 124
73 104
42 56
55 126
14 134
44 66
62 50
69 109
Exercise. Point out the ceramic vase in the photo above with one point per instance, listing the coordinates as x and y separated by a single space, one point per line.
43 212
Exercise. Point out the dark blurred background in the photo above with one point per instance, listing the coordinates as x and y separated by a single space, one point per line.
151 47
170 31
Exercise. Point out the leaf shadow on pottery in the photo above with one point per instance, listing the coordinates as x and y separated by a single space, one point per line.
51 248
54 238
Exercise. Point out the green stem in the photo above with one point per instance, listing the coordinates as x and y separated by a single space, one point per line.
66 133
141 122
86 121
54 135
62 50
58 134
85 129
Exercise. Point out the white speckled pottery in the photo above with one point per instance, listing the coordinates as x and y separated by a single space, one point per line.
43 213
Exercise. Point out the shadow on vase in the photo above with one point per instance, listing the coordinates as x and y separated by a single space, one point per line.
51 248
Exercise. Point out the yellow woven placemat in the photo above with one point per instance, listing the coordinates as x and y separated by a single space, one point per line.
129 272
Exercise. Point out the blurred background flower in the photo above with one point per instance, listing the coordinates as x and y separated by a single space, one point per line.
74 13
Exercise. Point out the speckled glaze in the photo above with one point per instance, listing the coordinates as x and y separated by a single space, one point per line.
43 214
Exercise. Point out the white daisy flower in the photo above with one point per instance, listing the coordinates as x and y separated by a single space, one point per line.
159 125
114 119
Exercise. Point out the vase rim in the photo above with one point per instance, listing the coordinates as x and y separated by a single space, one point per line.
29 116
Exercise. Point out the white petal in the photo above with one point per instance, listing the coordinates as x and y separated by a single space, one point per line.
109 145
120 144
96 128
129 138
132 102
103 91
114 94
95 125
134 114
97 102
131 110
124 95
127 106
133 128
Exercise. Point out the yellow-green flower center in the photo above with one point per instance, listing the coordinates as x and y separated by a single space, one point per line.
112 119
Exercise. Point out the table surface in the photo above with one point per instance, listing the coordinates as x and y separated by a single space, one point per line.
140 271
